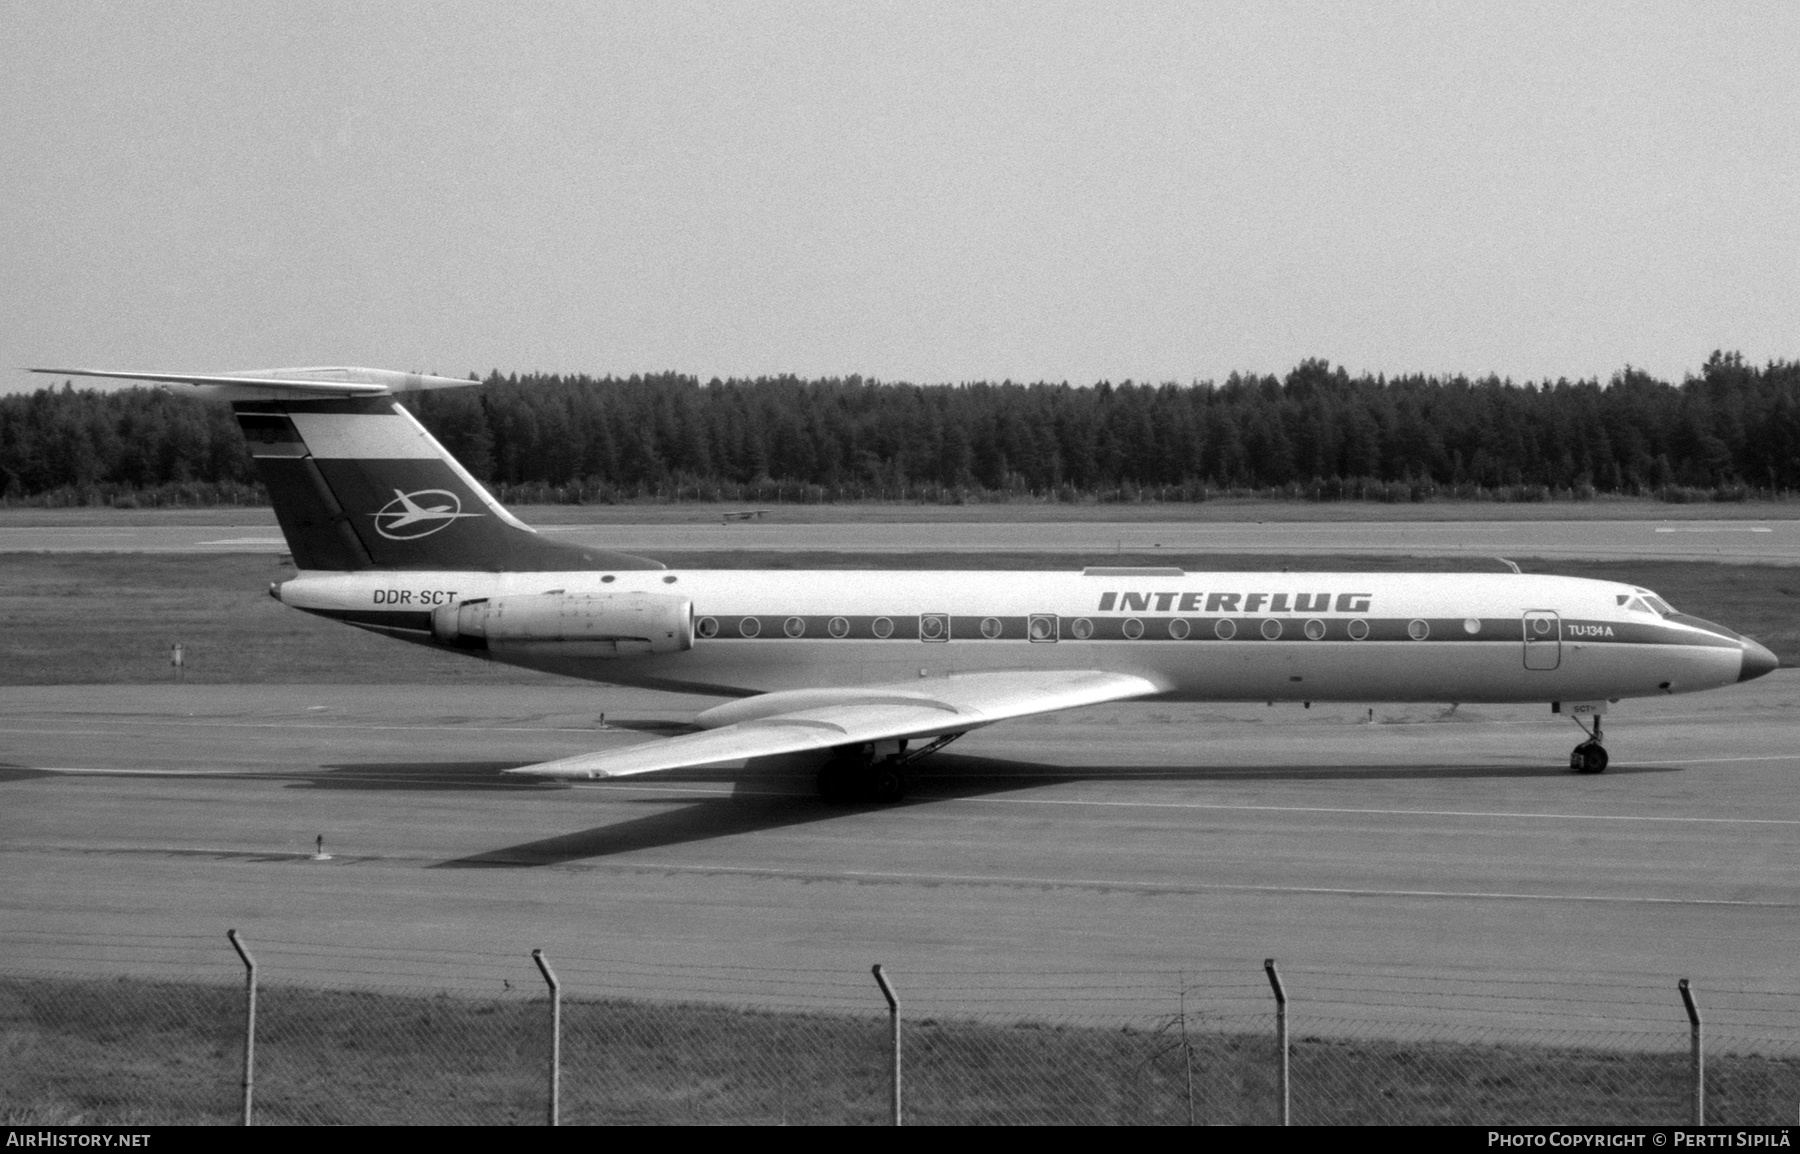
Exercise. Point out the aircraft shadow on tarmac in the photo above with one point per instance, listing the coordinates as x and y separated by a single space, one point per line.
424 775
775 797
23 773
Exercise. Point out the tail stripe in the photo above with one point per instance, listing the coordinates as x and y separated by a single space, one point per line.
347 436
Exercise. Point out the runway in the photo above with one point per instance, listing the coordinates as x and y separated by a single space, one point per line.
1432 846
1771 542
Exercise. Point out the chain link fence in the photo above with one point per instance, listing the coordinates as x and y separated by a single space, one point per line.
649 1043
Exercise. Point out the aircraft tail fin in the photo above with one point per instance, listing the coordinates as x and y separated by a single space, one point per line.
358 483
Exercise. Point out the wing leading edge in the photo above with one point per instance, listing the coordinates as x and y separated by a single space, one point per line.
797 721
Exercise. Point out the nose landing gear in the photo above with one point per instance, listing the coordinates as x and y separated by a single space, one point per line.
1590 755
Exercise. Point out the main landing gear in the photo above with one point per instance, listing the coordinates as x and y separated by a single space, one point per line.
875 772
1590 755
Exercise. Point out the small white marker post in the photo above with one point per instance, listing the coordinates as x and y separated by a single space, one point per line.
319 853
177 658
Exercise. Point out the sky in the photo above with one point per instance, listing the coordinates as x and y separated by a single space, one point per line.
913 191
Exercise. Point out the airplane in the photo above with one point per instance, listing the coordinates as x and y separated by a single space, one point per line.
873 670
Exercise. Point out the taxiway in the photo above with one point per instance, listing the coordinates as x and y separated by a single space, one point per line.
138 823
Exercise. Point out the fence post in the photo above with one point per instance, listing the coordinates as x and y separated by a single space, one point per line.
237 944
887 991
1281 1031
555 1031
1693 1013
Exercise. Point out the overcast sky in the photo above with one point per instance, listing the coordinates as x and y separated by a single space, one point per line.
910 191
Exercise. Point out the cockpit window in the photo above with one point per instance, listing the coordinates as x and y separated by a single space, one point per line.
1636 605
1658 604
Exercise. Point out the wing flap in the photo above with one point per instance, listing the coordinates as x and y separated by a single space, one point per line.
798 721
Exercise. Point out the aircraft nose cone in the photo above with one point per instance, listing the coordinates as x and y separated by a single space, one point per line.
1757 661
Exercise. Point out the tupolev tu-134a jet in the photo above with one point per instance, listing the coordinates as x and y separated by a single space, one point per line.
391 534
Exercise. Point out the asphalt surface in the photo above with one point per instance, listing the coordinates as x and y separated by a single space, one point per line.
1771 542
1428 850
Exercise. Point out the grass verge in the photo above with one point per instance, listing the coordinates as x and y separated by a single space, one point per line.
122 1052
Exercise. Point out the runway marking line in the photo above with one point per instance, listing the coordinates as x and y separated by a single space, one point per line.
1713 529
899 876
1381 812
649 788
1174 888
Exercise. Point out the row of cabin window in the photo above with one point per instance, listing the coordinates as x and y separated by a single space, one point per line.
933 627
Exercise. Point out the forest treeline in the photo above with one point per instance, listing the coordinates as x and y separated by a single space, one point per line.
1731 432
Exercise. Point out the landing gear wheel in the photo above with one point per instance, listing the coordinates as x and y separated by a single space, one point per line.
1588 757
884 783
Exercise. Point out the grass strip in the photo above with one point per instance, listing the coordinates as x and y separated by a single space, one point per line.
79 1051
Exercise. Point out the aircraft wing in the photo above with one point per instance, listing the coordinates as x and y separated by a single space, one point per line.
794 721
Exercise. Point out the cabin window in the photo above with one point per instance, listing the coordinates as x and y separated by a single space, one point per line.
1271 629
1081 628
793 627
1178 629
882 627
1134 628
1358 629
1315 630
1418 630
749 627
838 627
707 627
990 627
1226 629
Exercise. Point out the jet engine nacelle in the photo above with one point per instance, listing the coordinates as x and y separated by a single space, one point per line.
570 624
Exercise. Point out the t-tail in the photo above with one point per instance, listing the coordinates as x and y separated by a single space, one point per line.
358 483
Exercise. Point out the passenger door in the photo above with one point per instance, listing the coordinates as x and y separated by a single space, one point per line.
1543 639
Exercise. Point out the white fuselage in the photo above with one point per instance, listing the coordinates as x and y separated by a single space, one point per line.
1200 636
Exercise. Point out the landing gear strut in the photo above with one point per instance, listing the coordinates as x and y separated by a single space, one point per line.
875 772
1590 755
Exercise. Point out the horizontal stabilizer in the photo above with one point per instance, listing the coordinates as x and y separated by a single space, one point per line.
276 384
801 720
